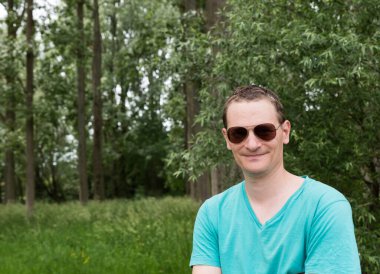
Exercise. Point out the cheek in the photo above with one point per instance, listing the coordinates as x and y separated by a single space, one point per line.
238 159
278 150
235 151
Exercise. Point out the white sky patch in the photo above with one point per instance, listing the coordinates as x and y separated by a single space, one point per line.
69 156
130 94
128 36
168 124
314 7
164 95
70 138
144 82
90 130
117 94
43 13
45 8
168 85
156 74
3 12
42 8
169 47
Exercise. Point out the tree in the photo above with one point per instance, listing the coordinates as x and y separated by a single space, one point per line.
196 56
112 47
55 108
29 128
97 106
199 189
82 163
10 71
136 47
212 19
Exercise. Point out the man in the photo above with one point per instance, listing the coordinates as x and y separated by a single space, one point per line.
273 221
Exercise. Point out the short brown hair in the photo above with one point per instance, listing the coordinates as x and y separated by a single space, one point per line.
252 93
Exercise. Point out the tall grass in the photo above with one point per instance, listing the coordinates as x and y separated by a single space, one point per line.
143 236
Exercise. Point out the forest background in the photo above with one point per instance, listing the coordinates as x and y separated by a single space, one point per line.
123 99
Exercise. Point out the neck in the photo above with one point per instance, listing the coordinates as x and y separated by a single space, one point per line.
271 186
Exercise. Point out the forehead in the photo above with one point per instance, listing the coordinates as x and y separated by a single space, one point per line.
248 113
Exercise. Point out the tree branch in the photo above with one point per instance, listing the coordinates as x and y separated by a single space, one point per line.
20 18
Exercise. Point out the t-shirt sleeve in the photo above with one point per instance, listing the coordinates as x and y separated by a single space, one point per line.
205 239
332 246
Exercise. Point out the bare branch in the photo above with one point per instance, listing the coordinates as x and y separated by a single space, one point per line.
21 17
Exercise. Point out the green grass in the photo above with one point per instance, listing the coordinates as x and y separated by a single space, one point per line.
121 236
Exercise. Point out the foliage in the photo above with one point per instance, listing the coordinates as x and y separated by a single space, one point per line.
367 230
12 49
119 236
137 48
322 57
314 64
317 66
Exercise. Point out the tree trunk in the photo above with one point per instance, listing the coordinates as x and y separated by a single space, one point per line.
216 180
190 5
189 90
30 184
97 106
119 129
82 159
212 9
200 189
212 18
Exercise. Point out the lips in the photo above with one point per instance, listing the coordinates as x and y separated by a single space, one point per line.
254 156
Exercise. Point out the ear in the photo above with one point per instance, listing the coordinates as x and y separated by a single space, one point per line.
224 131
286 127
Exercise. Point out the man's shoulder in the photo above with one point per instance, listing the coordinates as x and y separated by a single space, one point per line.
211 209
322 193
226 197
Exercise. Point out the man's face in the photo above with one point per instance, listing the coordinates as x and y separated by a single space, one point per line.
255 156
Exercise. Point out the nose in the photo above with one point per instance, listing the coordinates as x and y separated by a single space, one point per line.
252 142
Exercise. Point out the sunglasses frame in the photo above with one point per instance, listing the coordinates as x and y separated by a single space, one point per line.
247 129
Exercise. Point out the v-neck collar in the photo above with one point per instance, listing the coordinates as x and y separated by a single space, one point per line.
276 216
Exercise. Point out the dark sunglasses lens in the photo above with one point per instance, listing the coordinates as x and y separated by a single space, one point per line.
265 132
237 134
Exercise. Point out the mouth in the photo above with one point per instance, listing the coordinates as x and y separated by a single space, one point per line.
254 156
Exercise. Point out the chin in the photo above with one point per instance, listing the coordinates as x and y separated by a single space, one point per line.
254 167
252 172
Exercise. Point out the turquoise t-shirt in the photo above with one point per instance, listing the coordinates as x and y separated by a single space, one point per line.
312 233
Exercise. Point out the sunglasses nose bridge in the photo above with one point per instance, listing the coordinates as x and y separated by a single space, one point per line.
252 141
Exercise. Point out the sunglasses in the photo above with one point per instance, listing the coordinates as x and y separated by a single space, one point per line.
265 132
